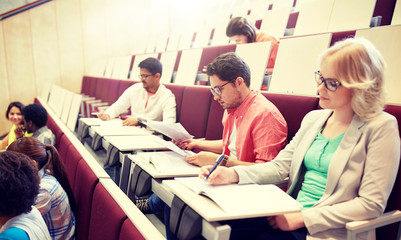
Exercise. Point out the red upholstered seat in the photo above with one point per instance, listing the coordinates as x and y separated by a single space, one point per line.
107 217
394 202
214 128
71 163
129 231
293 108
84 188
178 92
195 110
52 125
64 145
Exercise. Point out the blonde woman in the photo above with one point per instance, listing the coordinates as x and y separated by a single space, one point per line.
343 161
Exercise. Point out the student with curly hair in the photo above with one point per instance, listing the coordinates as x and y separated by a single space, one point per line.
19 186
55 200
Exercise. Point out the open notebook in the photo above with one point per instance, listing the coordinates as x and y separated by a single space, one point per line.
247 199
169 162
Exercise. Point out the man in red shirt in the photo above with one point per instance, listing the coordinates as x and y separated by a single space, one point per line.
254 129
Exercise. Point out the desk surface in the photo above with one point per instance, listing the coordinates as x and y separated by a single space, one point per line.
120 131
211 212
178 165
97 122
133 143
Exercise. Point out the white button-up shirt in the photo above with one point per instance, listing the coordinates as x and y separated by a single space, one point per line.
161 106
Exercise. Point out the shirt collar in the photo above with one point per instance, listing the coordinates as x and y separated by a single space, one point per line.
40 131
244 105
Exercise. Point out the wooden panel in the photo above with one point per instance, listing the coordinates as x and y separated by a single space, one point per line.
19 57
188 67
256 56
351 15
275 21
68 17
397 14
45 45
313 17
4 92
297 60
387 41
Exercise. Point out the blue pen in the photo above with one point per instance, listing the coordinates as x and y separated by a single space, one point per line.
215 165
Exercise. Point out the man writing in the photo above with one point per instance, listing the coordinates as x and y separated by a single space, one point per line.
149 100
254 129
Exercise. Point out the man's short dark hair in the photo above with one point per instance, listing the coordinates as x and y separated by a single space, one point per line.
35 113
18 105
19 183
241 26
153 65
228 67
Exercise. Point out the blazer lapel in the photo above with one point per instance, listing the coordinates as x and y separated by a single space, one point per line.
342 155
304 144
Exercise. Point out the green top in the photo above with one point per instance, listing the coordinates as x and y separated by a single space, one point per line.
317 160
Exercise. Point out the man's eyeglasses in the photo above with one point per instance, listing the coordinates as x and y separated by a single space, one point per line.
144 76
217 90
329 83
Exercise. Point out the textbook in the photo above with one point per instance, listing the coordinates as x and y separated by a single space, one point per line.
246 199
169 162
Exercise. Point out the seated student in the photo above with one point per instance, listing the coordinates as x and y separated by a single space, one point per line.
55 200
343 161
240 31
254 129
14 115
19 186
149 100
35 119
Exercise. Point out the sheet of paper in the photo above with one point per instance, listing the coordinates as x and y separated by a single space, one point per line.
175 148
234 198
169 162
111 123
172 130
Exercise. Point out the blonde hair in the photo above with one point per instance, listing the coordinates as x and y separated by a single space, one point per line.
359 66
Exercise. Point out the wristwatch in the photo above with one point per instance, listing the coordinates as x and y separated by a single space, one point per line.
224 161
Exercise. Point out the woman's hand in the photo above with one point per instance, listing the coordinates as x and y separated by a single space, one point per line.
287 222
19 131
220 176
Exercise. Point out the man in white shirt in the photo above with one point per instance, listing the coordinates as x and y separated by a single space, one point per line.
149 100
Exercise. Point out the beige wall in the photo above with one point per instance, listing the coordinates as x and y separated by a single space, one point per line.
57 42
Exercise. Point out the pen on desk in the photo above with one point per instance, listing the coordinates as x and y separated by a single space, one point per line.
215 165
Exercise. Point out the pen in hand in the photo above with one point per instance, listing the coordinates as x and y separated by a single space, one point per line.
215 165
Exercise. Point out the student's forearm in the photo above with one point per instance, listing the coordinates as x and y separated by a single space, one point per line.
215 146
231 162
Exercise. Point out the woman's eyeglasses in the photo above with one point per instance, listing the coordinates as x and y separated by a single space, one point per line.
329 83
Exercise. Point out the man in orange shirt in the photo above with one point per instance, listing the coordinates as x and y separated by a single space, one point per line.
254 129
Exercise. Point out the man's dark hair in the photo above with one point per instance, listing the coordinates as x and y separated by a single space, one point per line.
228 67
35 113
241 26
153 65
19 184
18 105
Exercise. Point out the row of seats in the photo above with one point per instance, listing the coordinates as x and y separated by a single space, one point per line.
102 208
201 116
276 18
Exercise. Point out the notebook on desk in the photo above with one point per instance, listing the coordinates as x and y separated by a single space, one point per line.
247 199
169 162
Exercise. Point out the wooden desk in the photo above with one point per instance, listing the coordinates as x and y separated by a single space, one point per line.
209 209
135 143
